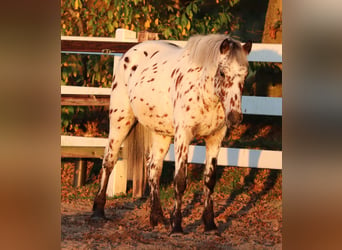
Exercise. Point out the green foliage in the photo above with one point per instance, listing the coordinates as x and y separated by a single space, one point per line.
86 70
265 66
71 119
171 19
81 120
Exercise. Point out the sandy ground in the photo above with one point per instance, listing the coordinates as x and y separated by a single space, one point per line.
242 224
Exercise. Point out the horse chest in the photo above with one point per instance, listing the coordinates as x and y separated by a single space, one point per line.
203 117
209 120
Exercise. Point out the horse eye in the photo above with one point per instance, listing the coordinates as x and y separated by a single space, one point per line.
222 74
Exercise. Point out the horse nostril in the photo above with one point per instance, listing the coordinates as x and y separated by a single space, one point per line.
222 74
235 117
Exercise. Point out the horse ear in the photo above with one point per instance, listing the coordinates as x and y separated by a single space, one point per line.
247 47
224 47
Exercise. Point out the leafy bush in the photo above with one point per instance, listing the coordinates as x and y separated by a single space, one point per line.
172 19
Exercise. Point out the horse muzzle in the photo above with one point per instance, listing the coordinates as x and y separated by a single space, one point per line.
234 118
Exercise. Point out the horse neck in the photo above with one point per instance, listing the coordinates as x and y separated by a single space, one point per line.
206 84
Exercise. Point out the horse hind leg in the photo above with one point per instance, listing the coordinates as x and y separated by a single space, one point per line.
213 143
120 126
160 145
182 140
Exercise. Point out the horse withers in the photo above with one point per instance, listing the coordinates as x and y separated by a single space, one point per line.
179 93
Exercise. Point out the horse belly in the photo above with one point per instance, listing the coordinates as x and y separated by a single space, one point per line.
149 83
150 102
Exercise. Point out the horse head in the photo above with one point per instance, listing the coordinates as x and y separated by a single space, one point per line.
229 78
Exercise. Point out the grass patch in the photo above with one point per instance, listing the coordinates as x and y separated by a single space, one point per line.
231 182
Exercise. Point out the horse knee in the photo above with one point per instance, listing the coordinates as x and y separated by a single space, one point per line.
180 179
109 161
210 177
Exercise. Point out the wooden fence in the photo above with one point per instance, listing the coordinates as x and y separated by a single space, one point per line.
89 147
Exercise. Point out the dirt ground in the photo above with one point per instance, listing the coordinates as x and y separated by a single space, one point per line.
243 223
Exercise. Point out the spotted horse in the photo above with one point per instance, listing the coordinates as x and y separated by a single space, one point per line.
179 93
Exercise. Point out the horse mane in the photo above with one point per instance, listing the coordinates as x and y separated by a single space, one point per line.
204 50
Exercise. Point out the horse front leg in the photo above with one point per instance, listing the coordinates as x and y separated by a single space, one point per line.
213 143
182 140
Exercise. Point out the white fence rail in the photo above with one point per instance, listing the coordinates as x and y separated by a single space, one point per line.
250 104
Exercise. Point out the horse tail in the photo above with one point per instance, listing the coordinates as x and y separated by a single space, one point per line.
136 150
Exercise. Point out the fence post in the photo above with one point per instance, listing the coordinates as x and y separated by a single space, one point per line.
117 183
80 172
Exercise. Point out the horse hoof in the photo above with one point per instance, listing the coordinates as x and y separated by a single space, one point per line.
154 222
176 231
210 227
98 216
176 235
156 219
213 232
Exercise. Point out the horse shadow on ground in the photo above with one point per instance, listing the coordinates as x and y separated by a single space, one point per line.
249 179
116 215
247 185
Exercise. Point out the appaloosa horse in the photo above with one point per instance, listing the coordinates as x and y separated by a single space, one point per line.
183 93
